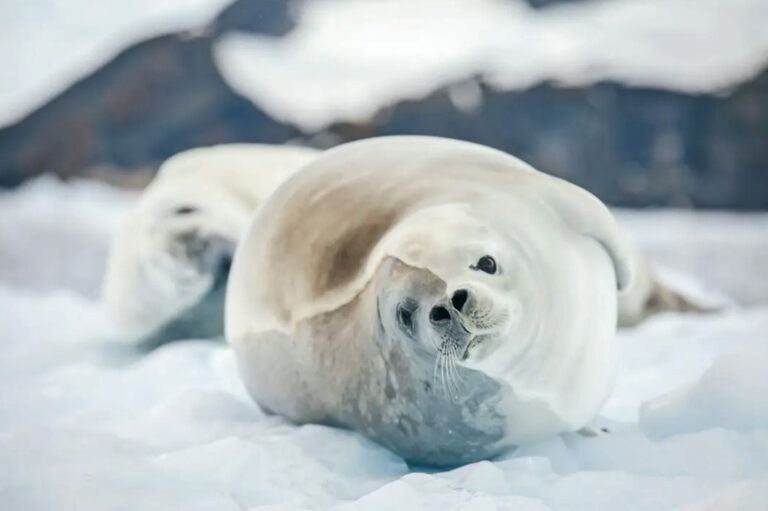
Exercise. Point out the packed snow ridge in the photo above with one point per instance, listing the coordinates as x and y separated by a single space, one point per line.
87 423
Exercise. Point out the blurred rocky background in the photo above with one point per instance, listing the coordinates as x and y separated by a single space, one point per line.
643 102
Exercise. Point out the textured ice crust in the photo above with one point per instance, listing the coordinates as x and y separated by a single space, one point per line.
88 423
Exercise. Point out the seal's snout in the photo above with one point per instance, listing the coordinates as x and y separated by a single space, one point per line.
453 309
439 315
459 299
447 319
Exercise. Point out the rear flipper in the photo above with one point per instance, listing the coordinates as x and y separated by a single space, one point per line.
649 296
667 299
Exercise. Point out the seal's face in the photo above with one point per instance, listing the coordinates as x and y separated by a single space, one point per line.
456 300
452 326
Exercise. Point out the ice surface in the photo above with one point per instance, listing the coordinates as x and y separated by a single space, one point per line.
348 59
88 423
731 394
77 221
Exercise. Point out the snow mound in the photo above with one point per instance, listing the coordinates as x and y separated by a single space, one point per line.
46 46
89 423
77 221
731 394
348 59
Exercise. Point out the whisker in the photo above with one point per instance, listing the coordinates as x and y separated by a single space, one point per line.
458 379
451 369
454 370
451 380
458 369
446 375
439 370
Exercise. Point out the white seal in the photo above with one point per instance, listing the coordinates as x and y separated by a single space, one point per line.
168 263
441 297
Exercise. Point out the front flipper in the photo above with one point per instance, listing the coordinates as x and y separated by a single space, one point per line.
210 258
203 320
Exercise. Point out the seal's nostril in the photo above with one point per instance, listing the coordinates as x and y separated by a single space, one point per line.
459 299
438 314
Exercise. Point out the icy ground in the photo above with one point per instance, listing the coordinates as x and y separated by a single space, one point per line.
89 424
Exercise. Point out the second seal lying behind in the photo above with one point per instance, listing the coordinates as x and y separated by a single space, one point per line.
169 262
441 297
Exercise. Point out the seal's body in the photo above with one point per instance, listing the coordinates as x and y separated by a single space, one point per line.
441 297
169 262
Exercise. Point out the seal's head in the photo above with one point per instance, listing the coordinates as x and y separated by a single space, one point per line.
459 295
505 289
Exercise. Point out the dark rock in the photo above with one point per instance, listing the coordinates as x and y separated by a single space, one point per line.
630 146
154 99
268 17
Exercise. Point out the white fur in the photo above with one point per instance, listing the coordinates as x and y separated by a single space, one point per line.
148 282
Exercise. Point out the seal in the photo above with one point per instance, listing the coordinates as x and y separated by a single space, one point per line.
441 297
168 263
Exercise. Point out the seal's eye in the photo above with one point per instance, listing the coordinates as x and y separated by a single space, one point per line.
486 264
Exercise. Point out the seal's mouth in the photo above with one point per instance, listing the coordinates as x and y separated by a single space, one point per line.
471 345
474 336
473 341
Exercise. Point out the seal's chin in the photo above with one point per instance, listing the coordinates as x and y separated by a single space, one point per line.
476 341
471 344
478 347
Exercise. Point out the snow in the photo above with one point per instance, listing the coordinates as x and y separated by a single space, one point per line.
77 220
47 45
89 423
734 386
348 59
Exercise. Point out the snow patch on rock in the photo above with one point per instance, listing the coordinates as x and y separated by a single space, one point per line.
349 59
